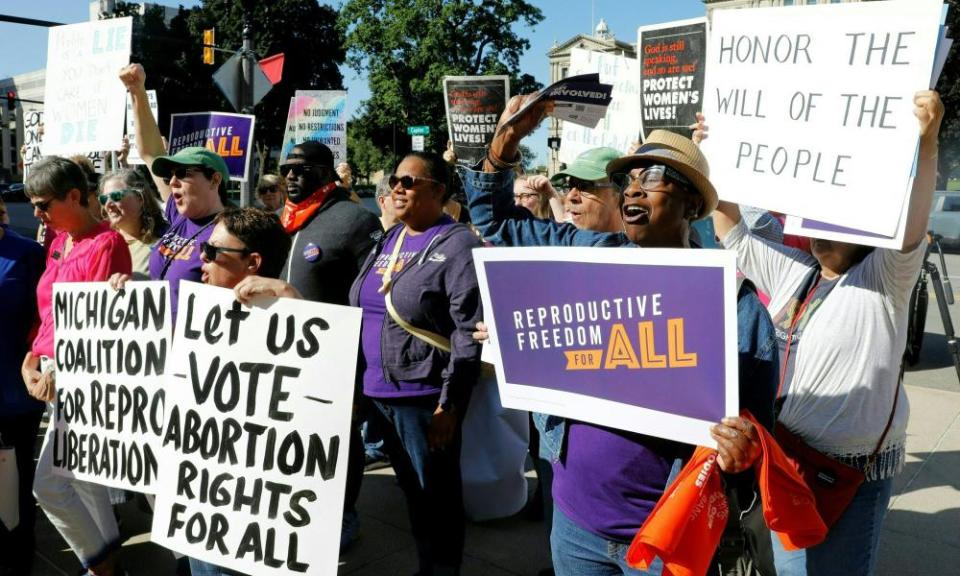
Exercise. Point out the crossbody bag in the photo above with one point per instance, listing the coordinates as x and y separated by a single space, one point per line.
833 483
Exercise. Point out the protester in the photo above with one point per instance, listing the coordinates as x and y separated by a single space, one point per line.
245 252
191 185
591 201
841 318
133 212
272 193
21 264
388 216
331 238
535 193
84 251
607 481
420 300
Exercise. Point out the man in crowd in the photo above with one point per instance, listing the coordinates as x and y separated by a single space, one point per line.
331 239
591 201
387 215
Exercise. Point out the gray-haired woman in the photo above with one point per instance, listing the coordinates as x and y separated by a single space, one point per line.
133 211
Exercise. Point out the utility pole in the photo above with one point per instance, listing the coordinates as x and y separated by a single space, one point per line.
249 60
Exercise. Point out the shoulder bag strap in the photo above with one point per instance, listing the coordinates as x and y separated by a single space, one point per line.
427 336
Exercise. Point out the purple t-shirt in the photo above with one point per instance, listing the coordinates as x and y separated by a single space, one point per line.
375 383
609 480
181 242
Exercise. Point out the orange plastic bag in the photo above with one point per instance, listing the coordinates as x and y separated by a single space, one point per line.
685 526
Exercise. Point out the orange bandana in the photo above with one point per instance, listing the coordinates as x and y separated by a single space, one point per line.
296 214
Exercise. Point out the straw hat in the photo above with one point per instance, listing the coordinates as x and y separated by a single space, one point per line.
678 152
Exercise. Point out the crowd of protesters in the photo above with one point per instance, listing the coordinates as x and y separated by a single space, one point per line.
819 356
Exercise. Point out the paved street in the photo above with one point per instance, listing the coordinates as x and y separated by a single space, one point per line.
921 533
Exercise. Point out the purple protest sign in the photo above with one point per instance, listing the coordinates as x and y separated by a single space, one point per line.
229 135
641 340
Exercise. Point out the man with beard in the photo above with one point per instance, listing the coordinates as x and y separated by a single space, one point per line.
606 481
331 239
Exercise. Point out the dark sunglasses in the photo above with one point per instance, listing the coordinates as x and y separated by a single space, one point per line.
182 172
407 182
297 169
116 195
267 190
43 206
210 252
585 185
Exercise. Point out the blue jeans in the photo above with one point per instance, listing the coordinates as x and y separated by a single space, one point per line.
579 552
430 480
851 545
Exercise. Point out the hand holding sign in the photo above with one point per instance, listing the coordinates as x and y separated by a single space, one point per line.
521 117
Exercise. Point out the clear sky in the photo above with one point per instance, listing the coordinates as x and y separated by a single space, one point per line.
24 47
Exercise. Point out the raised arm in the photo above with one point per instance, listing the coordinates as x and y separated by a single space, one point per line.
929 111
149 141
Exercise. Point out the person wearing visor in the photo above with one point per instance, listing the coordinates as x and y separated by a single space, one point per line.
192 185
591 201
607 481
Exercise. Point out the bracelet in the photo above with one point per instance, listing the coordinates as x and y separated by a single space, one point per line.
500 164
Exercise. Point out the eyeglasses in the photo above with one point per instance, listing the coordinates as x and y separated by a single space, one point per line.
44 205
407 182
181 172
650 177
116 195
210 252
584 185
297 169
525 195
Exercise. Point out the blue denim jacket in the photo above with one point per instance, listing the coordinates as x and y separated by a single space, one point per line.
492 210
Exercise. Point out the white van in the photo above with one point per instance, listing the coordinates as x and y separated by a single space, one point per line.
945 218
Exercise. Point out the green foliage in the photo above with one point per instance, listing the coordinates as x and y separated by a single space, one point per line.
949 88
406 47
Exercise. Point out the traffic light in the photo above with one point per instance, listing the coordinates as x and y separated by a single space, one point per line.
208 42
11 100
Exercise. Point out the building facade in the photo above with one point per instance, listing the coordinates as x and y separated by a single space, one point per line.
602 40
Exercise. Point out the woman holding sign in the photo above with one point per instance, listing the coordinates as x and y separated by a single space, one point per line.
842 326
84 251
607 481
132 211
420 301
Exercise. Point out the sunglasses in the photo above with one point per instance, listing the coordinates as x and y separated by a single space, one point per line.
115 196
297 169
407 182
44 205
267 190
584 185
210 252
182 172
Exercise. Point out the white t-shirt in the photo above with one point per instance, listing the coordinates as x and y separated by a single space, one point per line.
848 359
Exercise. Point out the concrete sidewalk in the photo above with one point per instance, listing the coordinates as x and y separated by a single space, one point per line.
921 534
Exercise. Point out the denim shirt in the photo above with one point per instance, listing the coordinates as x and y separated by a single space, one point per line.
490 199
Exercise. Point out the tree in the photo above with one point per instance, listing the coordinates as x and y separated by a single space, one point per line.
949 88
406 47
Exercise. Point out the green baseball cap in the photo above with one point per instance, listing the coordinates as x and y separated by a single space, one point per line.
163 166
590 165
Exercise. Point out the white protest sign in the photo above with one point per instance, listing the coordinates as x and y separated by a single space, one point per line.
133 157
111 349
811 108
84 100
620 128
321 116
254 455
32 123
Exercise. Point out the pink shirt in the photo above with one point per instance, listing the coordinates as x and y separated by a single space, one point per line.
94 258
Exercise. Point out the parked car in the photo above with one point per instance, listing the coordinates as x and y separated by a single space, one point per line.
15 193
945 218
